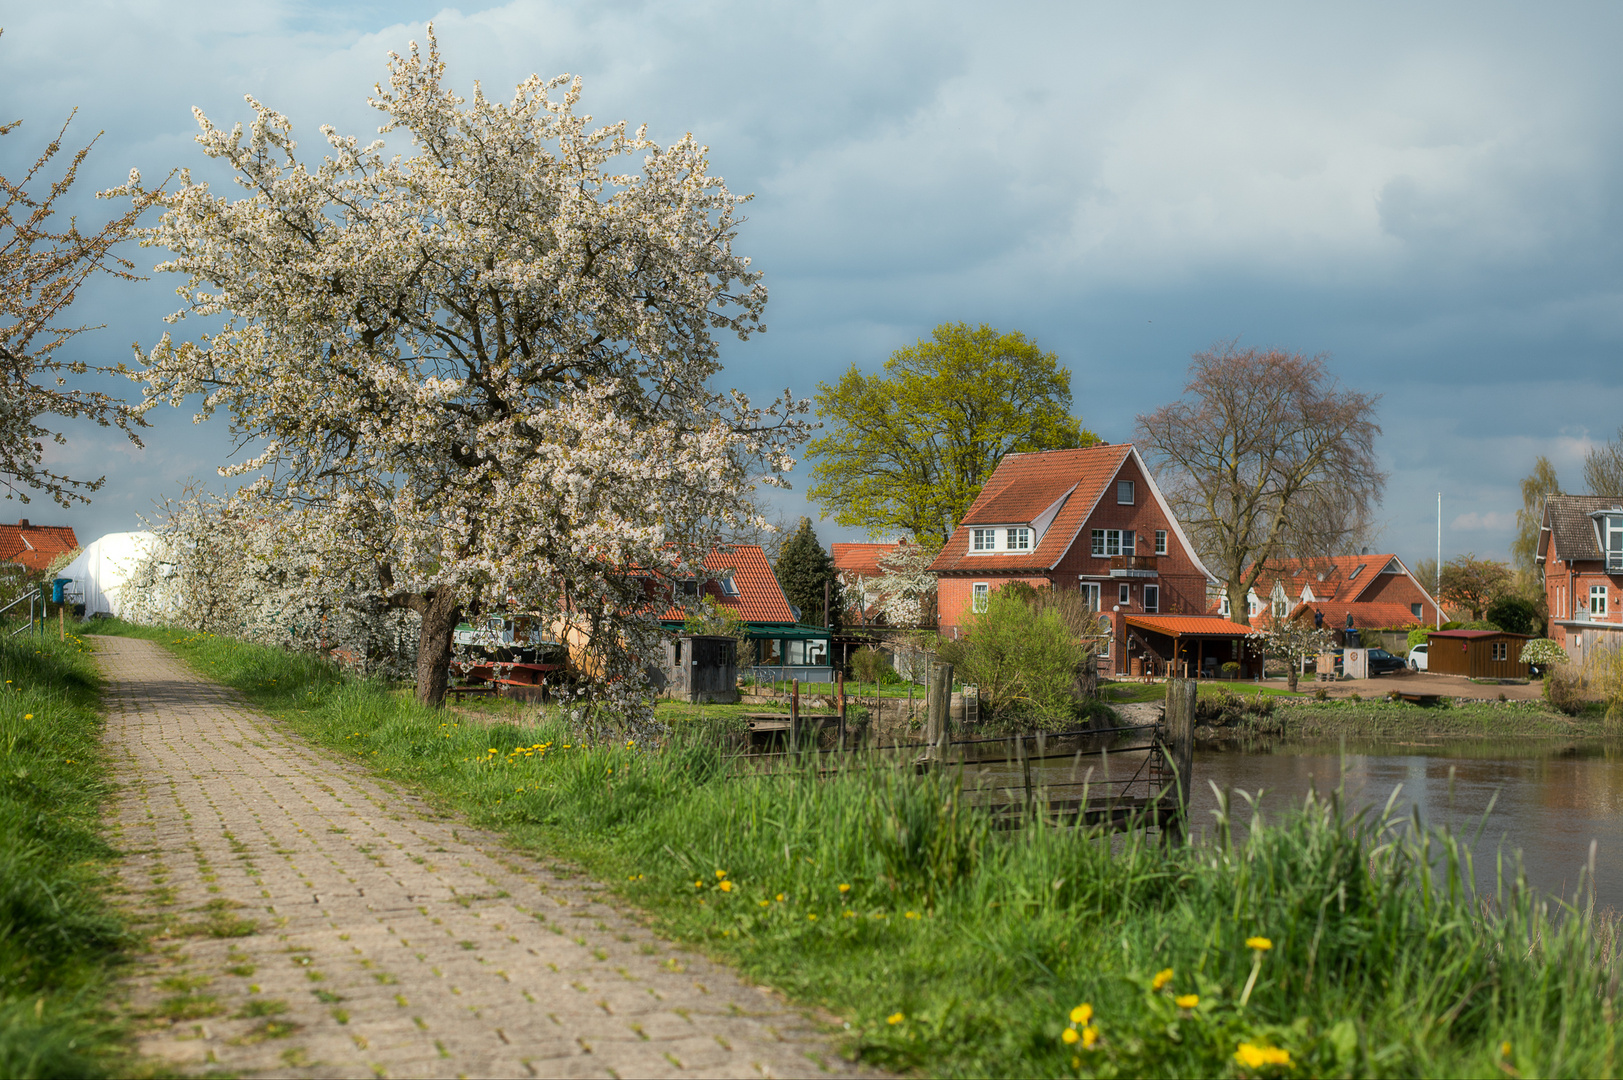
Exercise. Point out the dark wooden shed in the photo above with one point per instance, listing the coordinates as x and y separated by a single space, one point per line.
1480 654
701 668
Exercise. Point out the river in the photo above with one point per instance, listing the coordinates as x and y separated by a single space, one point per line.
1549 798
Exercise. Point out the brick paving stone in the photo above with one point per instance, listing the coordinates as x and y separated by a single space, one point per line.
311 920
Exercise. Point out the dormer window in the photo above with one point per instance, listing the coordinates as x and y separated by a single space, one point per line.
983 540
1610 527
1001 538
1018 539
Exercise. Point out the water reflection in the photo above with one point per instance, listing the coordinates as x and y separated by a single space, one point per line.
1552 798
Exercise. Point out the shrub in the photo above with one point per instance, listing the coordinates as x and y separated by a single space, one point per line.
1024 661
869 664
1561 690
1418 635
1515 615
1542 652
1321 694
1231 670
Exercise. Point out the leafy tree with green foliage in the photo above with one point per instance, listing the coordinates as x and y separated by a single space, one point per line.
1472 583
1515 614
803 569
909 450
1024 659
1536 485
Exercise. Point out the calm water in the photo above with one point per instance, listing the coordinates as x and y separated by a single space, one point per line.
1553 798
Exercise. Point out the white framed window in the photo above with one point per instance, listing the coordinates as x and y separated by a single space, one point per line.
1090 595
1124 492
1018 539
1597 600
983 540
1124 594
1160 541
1152 598
1501 650
1281 607
1104 648
979 593
1252 607
1223 605
1107 542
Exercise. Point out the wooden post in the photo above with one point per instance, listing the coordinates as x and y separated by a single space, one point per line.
938 709
1180 721
794 714
1025 767
62 623
839 704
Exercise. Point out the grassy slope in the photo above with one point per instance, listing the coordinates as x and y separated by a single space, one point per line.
59 939
957 950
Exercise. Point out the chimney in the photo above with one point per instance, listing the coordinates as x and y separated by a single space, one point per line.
22 523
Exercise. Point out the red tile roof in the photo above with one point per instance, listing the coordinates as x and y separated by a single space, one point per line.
1023 487
1336 577
1189 625
760 598
860 559
1373 615
34 546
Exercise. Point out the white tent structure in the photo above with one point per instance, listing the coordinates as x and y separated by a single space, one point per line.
99 573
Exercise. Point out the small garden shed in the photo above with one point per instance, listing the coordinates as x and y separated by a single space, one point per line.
701 668
1480 654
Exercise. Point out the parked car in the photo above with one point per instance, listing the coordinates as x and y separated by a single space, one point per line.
1382 662
1417 658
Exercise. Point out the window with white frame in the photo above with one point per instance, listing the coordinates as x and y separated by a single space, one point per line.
1223 605
1160 541
1104 648
979 593
1090 595
1107 542
1597 600
1252 607
1018 539
1152 598
1124 594
1124 492
1501 650
1281 605
983 540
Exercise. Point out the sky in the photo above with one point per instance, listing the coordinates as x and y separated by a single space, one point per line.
1428 195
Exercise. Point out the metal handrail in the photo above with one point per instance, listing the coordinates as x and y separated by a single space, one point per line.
29 595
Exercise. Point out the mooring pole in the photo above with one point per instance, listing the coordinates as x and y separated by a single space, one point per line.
794 714
839 704
1180 745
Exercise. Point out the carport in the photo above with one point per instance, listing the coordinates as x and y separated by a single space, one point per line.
1197 645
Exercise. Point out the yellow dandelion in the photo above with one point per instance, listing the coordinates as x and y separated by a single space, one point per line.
1162 977
895 1018
1186 1001
912 915
1082 1014
1261 944
812 917
28 716
725 886
1070 1036
1256 1057
1504 1048
698 884
766 903
720 874
780 898
845 888
1089 1037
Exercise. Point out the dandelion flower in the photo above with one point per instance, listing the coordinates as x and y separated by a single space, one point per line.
895 1018
698 884
780 898
720 874
1261 944
1186 1001
766 903
812 917
1082 1014
28 716
1089 1037
912 914
845 888
1504 1048
1070 1036
1162 977
725 886
1256 1057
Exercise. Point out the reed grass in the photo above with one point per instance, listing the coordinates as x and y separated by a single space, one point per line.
947 946
60 940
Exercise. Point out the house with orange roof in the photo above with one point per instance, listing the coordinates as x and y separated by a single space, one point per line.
1093 520
740 579
1365 592
34 547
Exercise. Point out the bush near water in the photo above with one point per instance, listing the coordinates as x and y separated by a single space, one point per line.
59 938
954 948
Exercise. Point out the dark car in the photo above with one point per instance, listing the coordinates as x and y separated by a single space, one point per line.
1381 662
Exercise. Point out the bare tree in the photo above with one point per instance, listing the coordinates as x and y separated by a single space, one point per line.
41 270
1265 457
1603 468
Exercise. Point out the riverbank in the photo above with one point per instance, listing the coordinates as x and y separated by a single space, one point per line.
60 939
1396 720
950 947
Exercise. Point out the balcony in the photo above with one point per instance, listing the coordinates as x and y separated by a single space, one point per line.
1614 562
1132 566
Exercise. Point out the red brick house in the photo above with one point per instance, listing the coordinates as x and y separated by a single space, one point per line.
858 567
34 546
1378 591
1091 520
1580 550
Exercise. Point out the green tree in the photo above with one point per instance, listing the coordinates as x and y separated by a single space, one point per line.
909 450
1524 548
1517 614
804 568
1472 583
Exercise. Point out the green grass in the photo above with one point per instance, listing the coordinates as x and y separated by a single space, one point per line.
1385 719
60 941
952 948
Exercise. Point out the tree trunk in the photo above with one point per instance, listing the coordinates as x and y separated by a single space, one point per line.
440 613
1293 671
1238 612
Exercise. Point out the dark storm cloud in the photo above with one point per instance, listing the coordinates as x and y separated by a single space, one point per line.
1429 195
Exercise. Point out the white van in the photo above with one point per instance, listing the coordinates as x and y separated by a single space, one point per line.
1417 658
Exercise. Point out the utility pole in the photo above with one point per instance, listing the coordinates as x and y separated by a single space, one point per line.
1437 595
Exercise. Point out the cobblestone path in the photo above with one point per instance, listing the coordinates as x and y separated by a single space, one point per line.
313 922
